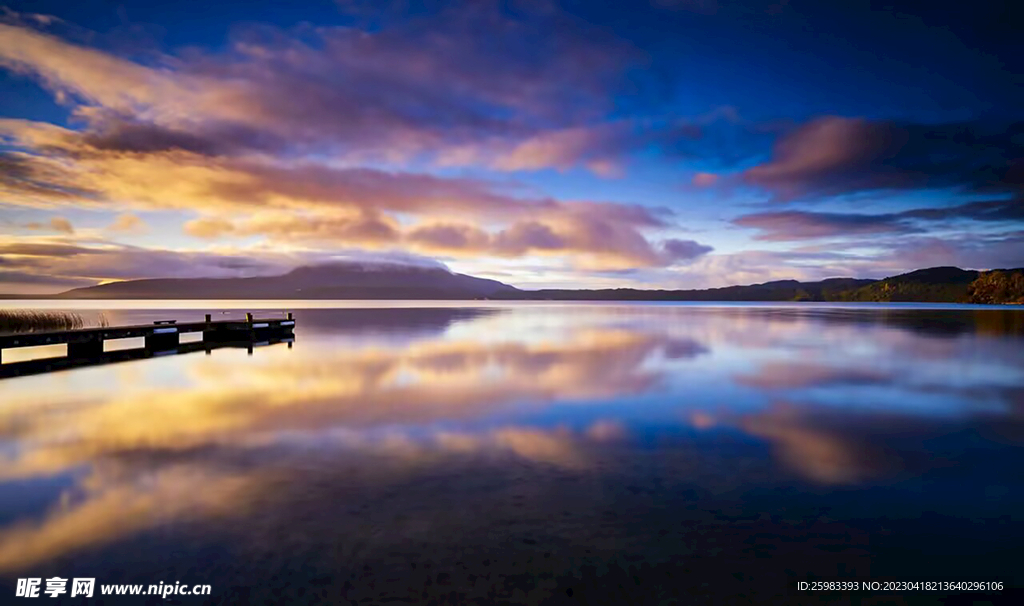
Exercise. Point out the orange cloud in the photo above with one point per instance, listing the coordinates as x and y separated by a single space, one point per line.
128 223
59 224
351 206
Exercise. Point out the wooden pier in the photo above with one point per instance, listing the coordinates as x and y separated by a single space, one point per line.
85 345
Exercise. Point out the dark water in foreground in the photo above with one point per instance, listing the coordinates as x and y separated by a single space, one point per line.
589 454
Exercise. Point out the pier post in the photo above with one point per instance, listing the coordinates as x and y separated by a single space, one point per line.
162 340
85 349
211 334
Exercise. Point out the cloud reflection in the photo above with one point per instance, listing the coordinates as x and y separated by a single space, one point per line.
372 387
547 387
107 507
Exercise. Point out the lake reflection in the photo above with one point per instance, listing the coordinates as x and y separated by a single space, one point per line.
522 454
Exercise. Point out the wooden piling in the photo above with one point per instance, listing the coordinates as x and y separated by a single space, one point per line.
162 338
91 347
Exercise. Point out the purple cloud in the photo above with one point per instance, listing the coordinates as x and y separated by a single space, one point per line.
833 155
804 225
684 250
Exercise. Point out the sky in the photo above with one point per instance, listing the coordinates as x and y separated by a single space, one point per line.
543 143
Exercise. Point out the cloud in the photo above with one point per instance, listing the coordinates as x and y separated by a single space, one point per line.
209 227
704 179
122 135
182 179
600 149
264 139
62 225
833 155
450 237
35 180
345 229
59 224
758 266
799 225
592 235
302 202
42 247
30 281
128 223
888 255
804 225
989 251
685 250
68 262
602 242
995 210
60 162
427 86
526 236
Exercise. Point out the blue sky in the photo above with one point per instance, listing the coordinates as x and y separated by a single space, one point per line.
666 143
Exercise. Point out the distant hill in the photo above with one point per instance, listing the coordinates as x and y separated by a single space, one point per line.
781 290
331 281
998 286
935 284
944 284
392 281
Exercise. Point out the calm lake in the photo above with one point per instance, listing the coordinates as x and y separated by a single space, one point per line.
530 453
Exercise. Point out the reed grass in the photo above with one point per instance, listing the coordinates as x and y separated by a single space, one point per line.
23 320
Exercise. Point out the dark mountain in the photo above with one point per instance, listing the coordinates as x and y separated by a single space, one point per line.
935 284
333 281
391 281
781 290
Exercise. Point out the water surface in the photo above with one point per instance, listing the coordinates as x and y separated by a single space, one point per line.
599 453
